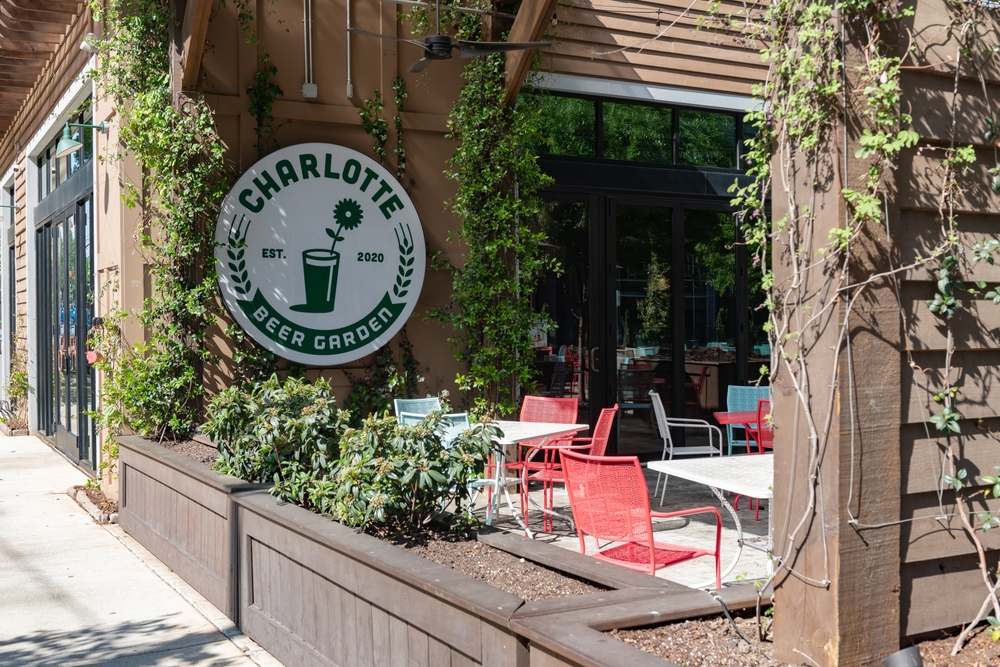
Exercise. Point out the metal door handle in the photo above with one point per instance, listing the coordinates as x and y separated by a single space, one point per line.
594 360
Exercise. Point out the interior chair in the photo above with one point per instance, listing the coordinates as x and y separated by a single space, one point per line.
557 386
742 399
549 472
610 502
634 385
692 392
663 425
417 406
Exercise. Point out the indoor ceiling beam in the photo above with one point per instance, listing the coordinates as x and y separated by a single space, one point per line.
529 26
194 30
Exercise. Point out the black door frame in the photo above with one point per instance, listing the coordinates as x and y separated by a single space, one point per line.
602 226
51 276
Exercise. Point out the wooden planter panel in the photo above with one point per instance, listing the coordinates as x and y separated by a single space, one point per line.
315 592
179 509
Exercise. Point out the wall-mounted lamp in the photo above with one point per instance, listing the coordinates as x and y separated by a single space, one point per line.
68 145
89 43
13 206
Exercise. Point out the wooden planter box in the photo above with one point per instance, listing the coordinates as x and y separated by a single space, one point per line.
180 510
314 592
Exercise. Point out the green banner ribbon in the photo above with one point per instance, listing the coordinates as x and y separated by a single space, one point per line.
321 342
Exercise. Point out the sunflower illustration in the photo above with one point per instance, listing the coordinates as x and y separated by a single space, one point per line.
348 215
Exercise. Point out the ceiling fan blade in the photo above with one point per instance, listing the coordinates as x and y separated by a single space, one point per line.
420 65
461 10
357 31
474 49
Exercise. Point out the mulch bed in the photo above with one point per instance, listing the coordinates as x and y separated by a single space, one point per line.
194 450
500 569
97 497
704 642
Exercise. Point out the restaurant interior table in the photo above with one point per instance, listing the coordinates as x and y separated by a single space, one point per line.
506 448
748 475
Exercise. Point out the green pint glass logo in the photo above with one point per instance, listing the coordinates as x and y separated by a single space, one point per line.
320 254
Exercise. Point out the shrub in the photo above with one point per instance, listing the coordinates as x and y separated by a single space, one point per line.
401 477
267 431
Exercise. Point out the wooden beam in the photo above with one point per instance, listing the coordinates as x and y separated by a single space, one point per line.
529 26
62 6
193 33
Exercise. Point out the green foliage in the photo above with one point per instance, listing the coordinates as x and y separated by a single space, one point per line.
490 309
262 93
399 98
17 388
266 430
373 123
401 477
155 387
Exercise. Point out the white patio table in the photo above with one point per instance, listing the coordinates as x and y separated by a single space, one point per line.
748 475
514 433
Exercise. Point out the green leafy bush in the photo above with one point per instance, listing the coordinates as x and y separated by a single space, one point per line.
269 431
401 477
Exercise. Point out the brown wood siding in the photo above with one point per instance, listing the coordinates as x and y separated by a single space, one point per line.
691 54
180 511
941 585
314 592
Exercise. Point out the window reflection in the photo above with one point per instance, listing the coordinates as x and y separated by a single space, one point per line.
567 125
707 139
638 133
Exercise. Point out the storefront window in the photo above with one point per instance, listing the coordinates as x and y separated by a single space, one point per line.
567 125
707 139
638 133
633 132
53 171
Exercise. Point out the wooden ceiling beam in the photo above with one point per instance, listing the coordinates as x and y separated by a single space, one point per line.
46 27
194 31
529 26
32 36
39 50
34 15
61 6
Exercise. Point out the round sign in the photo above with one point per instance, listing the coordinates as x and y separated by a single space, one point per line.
320 254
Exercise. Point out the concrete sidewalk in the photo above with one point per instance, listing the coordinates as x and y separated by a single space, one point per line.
73 592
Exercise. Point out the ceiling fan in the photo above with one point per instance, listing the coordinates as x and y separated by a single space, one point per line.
442 47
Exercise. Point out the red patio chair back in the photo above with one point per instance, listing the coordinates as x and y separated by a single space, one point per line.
602 431
765 427
609 497
610 502
549 410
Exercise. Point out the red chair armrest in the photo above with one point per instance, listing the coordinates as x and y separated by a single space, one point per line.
696 510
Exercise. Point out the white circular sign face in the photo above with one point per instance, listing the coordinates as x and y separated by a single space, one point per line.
320 254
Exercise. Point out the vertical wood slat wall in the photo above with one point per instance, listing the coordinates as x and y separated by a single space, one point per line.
941 585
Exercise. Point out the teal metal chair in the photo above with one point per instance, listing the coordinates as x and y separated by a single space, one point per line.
743 399
453 424
417 406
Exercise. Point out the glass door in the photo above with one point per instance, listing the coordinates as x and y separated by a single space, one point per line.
65 308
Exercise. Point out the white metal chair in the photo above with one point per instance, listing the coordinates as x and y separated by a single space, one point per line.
416 406
663 424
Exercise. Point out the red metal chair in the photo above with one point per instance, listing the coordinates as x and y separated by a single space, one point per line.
610 502
549 472
763 435
539 409
696 386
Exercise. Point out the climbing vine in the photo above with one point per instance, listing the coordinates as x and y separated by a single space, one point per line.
490 307
183 180
812 99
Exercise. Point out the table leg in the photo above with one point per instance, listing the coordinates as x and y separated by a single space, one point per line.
739 540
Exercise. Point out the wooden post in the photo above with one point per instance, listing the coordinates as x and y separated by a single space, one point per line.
838 601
